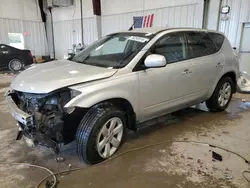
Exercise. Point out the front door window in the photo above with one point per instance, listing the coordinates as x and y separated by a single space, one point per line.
172 47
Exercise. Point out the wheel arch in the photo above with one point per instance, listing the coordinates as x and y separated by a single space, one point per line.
231 75
124 105
121 103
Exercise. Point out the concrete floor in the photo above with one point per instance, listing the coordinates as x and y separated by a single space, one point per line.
173 165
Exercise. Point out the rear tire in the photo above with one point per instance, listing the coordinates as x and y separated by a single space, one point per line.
15 65
222 95
95 138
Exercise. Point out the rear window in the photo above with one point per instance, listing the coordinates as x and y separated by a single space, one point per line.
218 40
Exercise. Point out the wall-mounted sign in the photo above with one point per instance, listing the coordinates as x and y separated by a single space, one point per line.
26 33
225 9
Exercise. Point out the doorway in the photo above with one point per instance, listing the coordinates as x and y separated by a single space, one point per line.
245 49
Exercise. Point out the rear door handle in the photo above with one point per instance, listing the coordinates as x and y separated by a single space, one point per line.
219 64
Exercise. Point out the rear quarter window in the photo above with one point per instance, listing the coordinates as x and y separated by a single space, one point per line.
218 40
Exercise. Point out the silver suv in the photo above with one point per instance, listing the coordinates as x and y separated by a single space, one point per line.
121 80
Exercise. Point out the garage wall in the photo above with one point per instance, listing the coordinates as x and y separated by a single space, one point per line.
68 32
118 14
67 27
23 16
20 10
213 14
232 23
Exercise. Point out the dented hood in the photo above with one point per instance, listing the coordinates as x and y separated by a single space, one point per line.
54 75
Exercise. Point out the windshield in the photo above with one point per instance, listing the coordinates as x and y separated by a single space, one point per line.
113 51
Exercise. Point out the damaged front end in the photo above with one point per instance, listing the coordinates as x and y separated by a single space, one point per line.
42 118
243 83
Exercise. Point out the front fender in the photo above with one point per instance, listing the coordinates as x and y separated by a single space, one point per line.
125 87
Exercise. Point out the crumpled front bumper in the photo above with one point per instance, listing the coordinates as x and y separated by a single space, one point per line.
19 115
24 121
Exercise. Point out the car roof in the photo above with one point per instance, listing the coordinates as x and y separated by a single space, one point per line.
159 30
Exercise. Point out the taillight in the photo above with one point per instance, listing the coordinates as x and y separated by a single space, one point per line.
30 54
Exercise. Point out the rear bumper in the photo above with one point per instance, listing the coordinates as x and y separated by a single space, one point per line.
28 61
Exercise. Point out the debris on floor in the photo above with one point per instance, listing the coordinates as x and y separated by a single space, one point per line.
216 156
243 100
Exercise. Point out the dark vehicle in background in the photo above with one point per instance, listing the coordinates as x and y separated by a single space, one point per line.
14 59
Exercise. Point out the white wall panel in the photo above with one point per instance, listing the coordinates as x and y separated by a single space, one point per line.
232 26
20 9
213 15
35 41
67 27
68 33
110 7
184 13
118 22
20 16
174 16
73 12
118 15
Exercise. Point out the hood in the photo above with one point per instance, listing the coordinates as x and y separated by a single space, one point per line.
53 75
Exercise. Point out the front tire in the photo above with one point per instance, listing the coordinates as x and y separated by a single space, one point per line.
100 133
222 95
15 65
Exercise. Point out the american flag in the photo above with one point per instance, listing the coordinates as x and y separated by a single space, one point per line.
143 21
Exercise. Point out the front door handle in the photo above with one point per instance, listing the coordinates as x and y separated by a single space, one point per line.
219 64
186 71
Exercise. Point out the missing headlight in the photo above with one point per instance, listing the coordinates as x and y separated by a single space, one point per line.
74 93
70 110
52 101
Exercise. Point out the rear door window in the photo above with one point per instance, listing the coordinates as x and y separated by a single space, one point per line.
200 44
218 39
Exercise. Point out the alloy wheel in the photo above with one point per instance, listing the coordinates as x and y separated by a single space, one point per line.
15 65
224 94
109 137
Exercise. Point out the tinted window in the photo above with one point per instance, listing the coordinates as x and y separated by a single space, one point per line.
200 44
218 39
172 47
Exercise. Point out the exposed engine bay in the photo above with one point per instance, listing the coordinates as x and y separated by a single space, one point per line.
51 123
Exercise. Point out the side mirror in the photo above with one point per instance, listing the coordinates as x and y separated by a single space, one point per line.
155 61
